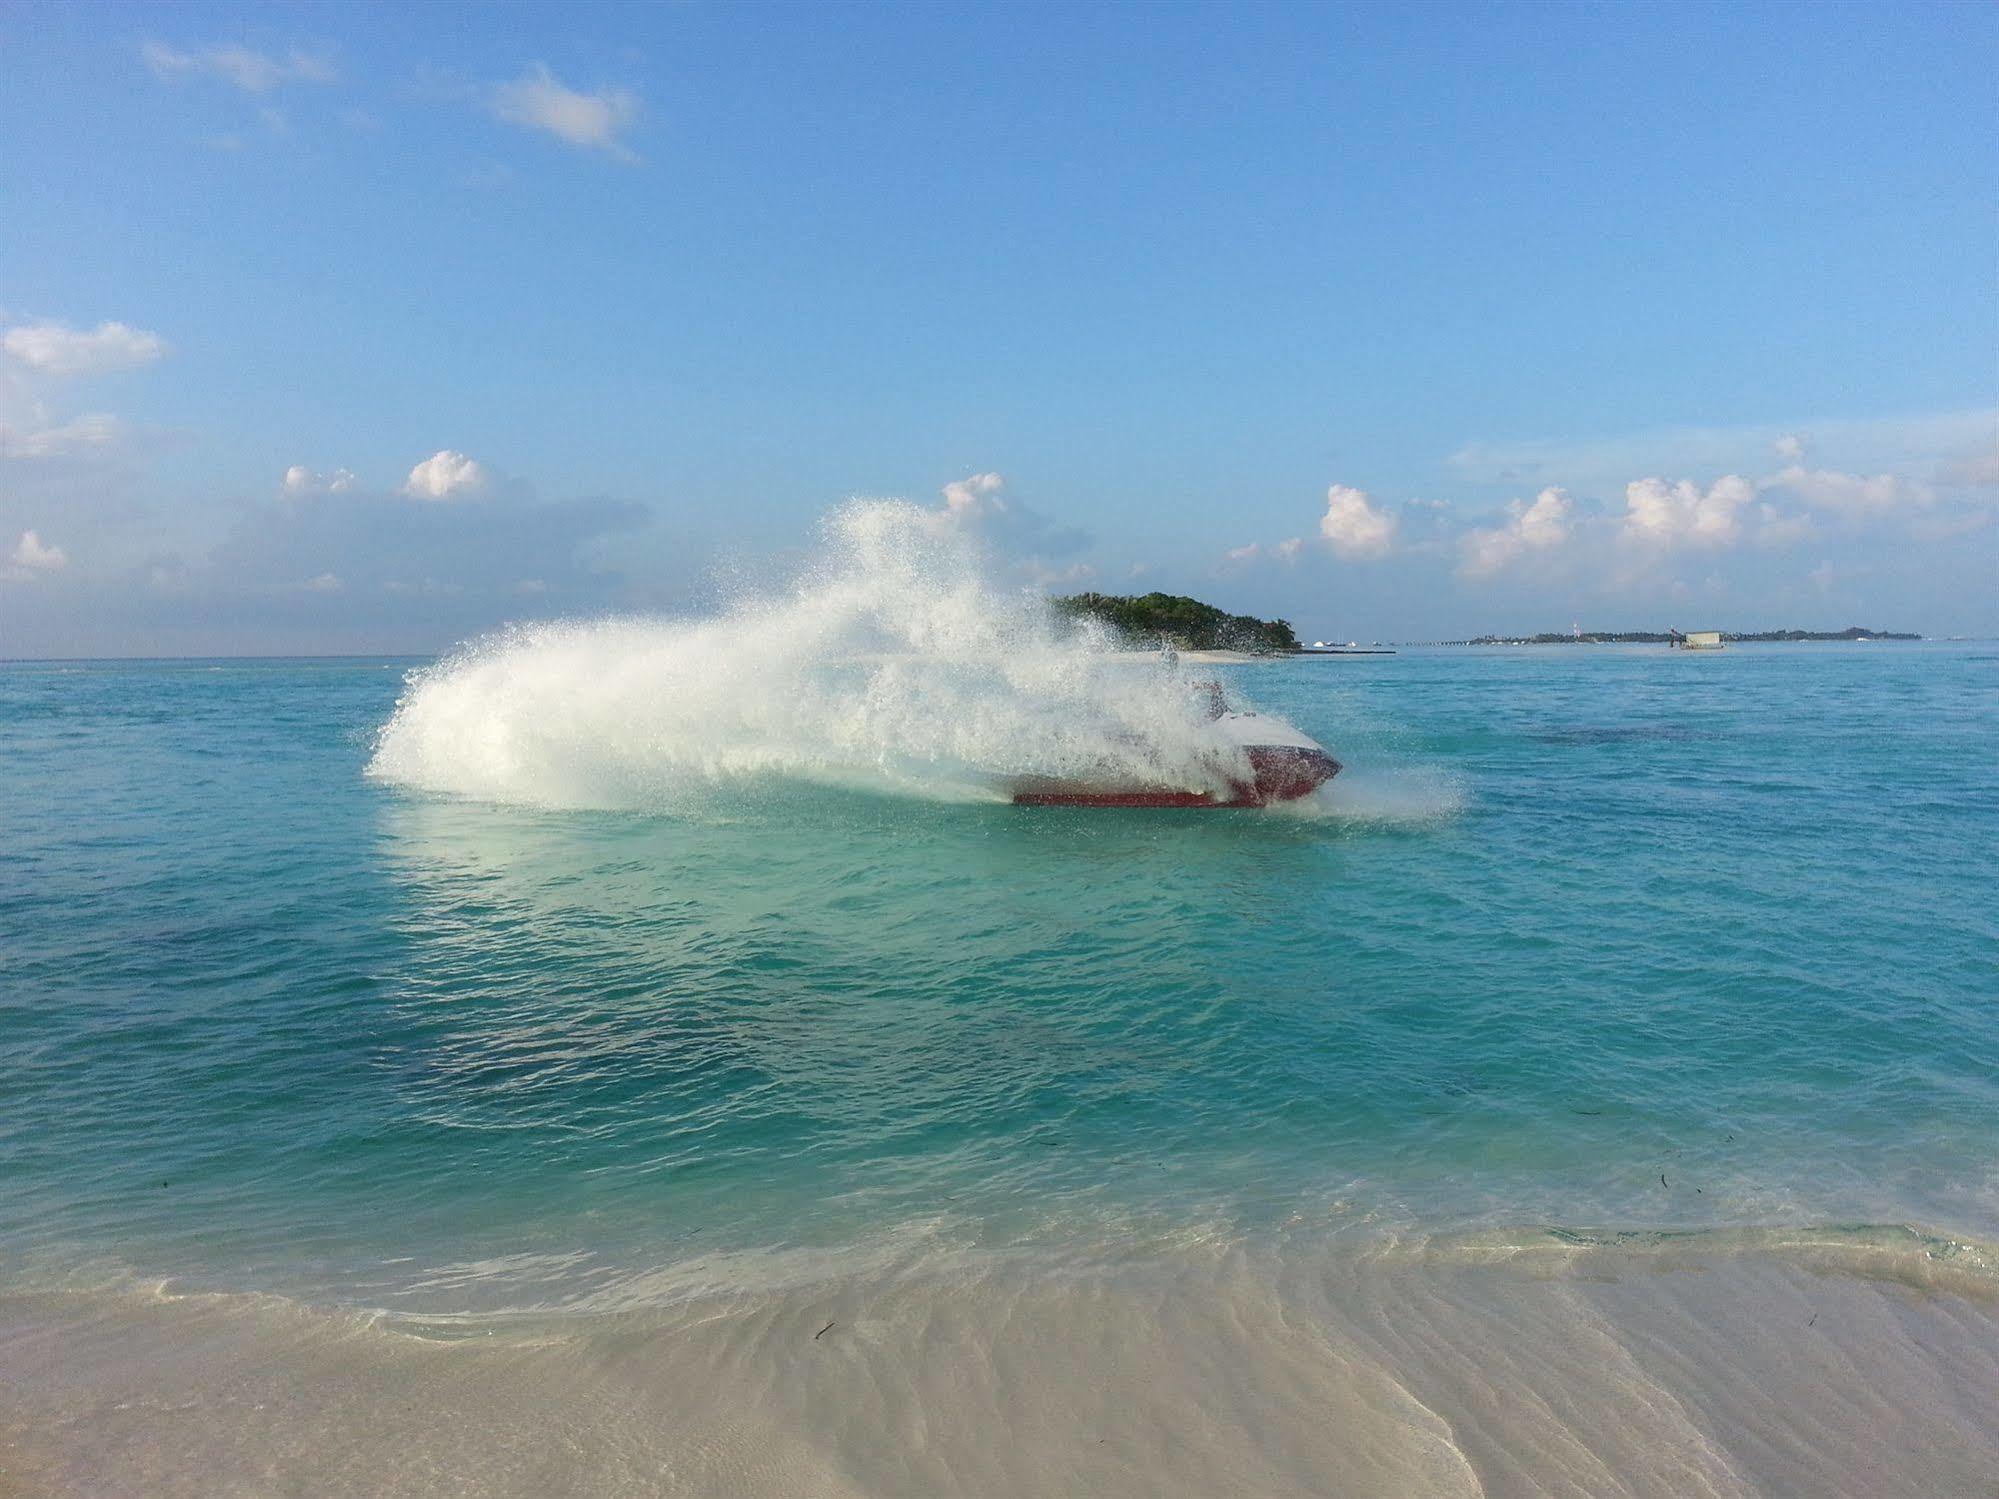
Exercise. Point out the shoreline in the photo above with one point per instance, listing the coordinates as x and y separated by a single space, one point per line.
1689 1367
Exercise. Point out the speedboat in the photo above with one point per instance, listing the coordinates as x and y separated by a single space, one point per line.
1255 761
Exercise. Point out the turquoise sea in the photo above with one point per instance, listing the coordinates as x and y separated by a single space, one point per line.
1608 947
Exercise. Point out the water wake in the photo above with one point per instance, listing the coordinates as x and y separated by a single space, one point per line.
894 664
1383 796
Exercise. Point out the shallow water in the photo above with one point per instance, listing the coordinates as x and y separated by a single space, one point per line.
1585 944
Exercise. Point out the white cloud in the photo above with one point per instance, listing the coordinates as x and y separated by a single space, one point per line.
1978 469
39 356
300 480
540 101
57 349
1777 531
253 72
1029 540
1683 514
1044 576
1286 551
1546 522
1531 527
1900 444
1790 447
1853 495
443 475
38 556
324 583
975 497
1353 525
43 437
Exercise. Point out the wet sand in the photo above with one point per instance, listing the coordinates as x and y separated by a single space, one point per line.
1464 1370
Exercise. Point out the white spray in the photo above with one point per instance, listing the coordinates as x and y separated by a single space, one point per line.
895 664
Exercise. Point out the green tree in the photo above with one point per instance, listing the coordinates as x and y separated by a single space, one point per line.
1188 624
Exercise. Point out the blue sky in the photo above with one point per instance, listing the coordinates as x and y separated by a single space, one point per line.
1402 322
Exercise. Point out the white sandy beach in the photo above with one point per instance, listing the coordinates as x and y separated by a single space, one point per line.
1857 1370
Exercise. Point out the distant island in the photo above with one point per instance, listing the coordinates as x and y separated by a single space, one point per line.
1663 637
1189 624
1144 621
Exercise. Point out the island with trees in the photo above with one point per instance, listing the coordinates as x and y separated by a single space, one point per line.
1666 637
1144 620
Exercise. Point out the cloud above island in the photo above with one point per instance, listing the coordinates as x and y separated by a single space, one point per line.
1900 444
1020 537
1856 496
1354 526
32 557
1535 527
446 475
1683 514
300 480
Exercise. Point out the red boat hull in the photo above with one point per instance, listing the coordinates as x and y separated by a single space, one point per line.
1283 773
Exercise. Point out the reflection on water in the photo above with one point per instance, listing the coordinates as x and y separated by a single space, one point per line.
815 1016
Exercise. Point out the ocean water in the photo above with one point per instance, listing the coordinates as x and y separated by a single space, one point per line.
640 980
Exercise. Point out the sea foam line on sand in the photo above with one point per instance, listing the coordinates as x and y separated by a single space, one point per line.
1689 1369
